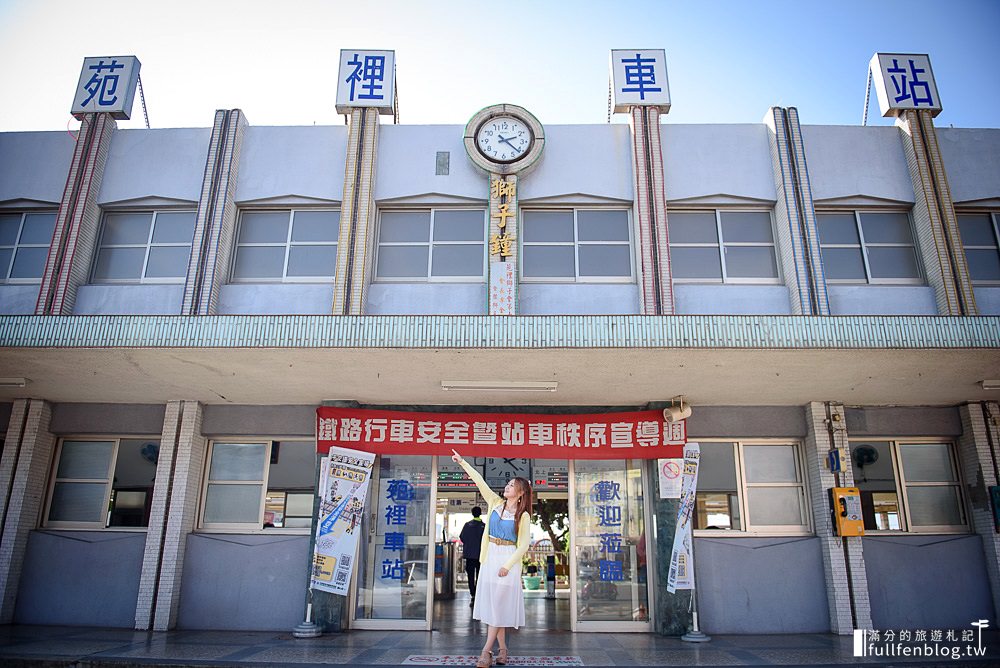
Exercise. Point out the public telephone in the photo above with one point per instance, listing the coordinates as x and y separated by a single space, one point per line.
845 504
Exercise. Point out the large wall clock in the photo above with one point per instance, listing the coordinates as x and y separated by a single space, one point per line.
504 139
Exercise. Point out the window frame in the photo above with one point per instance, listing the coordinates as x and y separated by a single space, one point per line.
5 277
102 525
743 487
287 244
141 280
995 224
920 279
722 244
902 487
246 527
576 243
429 245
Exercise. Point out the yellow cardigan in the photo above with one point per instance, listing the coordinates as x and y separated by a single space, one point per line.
493 501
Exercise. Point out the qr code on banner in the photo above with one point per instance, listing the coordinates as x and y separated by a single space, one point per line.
343 571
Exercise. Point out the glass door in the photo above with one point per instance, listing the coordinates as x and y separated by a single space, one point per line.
608 547
391 585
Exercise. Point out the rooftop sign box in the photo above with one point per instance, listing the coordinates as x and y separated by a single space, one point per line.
107 85
366 79
904 81
639 78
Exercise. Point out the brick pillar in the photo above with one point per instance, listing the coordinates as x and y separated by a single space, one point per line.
357 214
212 245
843 558
24 470
173 515
656 289
978 460
74 239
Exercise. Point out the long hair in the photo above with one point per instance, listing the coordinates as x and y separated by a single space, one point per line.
523 503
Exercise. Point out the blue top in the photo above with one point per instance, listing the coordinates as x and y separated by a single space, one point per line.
501 528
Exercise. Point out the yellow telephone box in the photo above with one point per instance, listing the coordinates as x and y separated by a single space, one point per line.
845 504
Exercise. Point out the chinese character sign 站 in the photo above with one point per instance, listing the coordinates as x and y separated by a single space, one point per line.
904 81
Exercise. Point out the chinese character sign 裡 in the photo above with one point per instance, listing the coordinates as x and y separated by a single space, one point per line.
366 78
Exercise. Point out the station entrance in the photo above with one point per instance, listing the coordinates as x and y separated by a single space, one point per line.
587 568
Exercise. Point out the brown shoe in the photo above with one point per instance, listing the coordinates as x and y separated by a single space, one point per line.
485 660
502 657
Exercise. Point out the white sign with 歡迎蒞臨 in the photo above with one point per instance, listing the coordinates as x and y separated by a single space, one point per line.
343 487
366 79
904 81
107 85
639 79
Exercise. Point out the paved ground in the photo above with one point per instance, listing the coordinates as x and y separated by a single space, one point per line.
39 646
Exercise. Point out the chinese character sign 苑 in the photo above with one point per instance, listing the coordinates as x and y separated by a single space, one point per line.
639 78
107 85
904 81
366 79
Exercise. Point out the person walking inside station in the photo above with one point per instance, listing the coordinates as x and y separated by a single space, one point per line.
507 535
472 538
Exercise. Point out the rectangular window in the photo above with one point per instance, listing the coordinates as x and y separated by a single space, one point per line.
144 247
722 246
868 247
432 245
24 245
908 486
254 485
582 245
295 246
106 483
980 234
751 487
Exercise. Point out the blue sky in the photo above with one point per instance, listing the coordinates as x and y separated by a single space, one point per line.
728 60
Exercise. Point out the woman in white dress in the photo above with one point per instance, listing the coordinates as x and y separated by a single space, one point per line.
499 598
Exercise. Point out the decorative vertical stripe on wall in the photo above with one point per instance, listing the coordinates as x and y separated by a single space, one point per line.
650 206
72 249
926 217
786 213
194 282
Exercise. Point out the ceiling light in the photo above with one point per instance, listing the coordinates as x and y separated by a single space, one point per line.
501 385
990 384
13 382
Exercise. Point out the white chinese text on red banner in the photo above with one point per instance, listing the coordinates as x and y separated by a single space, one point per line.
343 487
633 435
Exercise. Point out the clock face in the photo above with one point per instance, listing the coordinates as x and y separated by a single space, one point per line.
504 139
502 469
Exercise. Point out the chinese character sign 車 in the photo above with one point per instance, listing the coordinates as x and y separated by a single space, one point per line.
639 78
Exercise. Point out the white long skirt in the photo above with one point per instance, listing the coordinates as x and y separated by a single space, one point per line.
499 600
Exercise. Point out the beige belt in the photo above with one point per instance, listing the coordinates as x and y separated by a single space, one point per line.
501 541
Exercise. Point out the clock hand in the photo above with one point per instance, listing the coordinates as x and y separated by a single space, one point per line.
511 462
506 140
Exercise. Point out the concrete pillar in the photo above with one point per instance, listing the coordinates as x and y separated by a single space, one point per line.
978 462
357 214
74 239
212 245
653 244
173 515
24 471
843 558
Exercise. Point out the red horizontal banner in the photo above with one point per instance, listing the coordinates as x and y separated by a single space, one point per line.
636 435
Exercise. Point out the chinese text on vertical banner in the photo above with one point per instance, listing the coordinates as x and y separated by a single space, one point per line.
681 573
343 486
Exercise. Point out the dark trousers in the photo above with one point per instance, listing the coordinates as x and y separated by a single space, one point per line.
472 570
